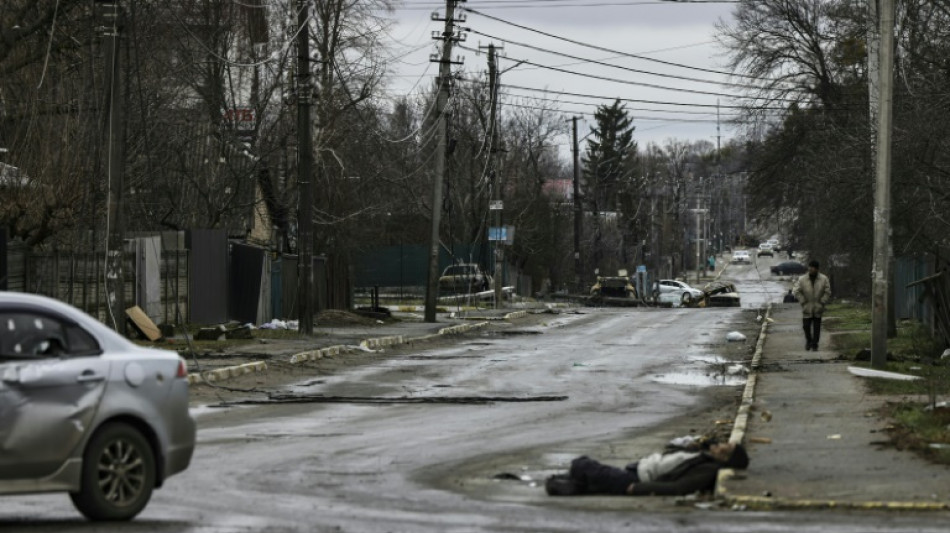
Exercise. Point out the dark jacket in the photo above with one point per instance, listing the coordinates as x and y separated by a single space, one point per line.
697 474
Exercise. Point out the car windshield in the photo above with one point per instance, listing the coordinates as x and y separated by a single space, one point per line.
459 270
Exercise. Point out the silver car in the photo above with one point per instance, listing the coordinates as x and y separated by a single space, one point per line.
85 411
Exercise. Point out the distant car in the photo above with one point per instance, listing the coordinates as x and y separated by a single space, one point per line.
85 411
741 256
788 267
613 286
774 244
765 249
680 289
464 278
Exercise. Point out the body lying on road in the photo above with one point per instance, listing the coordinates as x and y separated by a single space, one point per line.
686 466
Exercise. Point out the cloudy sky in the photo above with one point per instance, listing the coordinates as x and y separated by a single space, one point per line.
680 36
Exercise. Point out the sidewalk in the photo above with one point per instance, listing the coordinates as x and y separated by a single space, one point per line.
813 437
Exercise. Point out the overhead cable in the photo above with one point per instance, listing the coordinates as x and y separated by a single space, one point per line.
610 50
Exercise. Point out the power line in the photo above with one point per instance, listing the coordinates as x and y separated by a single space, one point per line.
649 110
612 51
614 80
547 4
603 63
637 100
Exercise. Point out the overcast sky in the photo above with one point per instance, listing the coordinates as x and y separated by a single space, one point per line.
677 33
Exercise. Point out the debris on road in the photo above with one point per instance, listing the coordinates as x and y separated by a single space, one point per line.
735 336
871 373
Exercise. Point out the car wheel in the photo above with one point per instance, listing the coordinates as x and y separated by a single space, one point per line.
686 298
118 474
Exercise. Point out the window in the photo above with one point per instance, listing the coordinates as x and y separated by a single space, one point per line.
28 335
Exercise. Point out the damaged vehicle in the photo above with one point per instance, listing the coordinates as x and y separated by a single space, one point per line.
85 411
464 278
716 294
613 287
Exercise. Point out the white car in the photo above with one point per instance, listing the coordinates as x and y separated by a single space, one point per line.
674 290
86 412
741 256
765 249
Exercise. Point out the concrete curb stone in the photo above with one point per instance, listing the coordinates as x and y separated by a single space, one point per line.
222 374
228 372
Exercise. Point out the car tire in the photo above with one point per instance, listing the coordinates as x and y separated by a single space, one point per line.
118 474
685 298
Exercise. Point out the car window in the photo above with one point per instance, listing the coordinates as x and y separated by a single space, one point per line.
459 270
27 335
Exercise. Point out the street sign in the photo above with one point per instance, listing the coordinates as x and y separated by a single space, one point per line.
498 234
496 205
641 268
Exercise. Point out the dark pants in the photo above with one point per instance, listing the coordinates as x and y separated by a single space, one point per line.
592 477
812 326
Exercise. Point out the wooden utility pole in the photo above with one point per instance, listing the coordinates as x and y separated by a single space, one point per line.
445 79
498 201
305 172
578 213
110 24
882 190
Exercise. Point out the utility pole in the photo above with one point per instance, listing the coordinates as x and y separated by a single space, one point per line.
882 191
110 18
305 172
578 213
498 200
445 78
698 211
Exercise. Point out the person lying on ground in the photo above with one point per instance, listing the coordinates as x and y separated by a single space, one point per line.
686 466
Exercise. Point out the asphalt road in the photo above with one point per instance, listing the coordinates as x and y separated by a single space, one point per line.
632 379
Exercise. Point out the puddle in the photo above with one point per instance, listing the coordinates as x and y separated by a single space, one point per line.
706 370
698 378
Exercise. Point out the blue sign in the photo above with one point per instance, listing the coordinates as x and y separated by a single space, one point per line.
498 234
641 268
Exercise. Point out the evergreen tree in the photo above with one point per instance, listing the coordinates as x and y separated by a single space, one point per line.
610 151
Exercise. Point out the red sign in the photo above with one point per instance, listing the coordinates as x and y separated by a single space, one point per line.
242 117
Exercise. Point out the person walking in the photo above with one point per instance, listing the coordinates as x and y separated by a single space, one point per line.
813 291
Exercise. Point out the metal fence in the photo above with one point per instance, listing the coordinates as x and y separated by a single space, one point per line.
77 278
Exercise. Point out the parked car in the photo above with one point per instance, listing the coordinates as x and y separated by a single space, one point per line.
741 256
463 278
788 267
680 290
765 249
85 411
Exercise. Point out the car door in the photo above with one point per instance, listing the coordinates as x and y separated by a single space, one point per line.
51 381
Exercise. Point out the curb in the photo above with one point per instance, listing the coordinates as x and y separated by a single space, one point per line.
748 396
222 374
462 328
765 504
329 351
380 342
228 372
